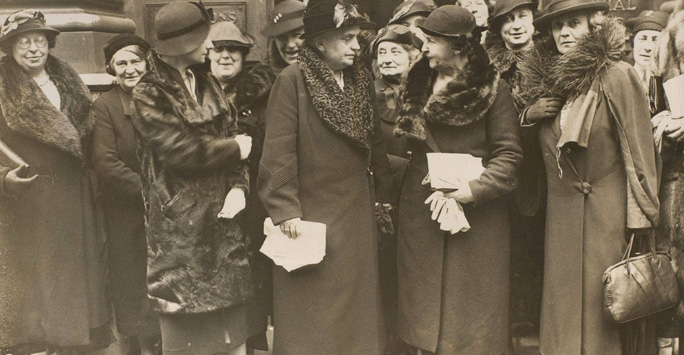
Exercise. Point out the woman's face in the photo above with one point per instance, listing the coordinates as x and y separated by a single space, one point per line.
30 51
478 8
128 67
644 44
517 28
393 59
339 47
568 29
226 62
199 54
289 44
439 52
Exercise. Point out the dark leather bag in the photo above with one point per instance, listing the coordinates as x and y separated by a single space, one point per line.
656 95
641 285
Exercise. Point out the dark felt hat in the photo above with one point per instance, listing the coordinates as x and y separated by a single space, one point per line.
409 8
449 21
398 34
503 7
648 20
323 16
181 27
121 41
25 21
228 34
561 7
286 16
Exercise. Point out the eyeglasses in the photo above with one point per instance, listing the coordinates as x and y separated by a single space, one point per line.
25 42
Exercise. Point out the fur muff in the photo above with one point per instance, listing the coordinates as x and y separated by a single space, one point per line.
348 113
464 100
547 73
27 110
505 60
668 58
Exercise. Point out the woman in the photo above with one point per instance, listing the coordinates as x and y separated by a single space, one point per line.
198 274
600 167
52 267
120 187
453 289
645 30
321 135
480 9
284 30
247 86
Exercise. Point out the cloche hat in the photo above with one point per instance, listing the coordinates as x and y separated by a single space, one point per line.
648 20
181 27
24 21
503 7
322 16
286 16
228 34
398 34
409 8
562 7
449 21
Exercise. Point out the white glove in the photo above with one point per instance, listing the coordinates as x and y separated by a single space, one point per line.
234 203
245 143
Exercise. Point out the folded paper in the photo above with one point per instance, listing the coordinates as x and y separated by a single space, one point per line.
291 254
448 171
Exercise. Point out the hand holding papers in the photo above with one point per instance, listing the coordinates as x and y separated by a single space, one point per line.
307 249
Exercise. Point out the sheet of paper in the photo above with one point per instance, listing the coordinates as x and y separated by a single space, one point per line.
449 170
674 91
291 254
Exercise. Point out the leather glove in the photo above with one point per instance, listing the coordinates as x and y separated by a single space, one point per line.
234 203
545 107
16 182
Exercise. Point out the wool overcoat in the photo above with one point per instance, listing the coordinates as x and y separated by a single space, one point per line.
588 209
453 289
196 262
51 241
120 194
309 169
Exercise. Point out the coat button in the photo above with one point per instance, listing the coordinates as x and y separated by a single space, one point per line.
586 188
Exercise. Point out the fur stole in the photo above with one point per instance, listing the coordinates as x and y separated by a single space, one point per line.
548 73
668 58
506 62
348 113
251 85
464 100
28 111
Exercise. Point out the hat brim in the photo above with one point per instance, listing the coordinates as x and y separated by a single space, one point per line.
182 44
282 28
495 22
543 21
48 30
425 13
364 25
430 32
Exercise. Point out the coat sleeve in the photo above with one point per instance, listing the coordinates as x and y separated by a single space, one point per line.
380 166
628 105
179 147
503 138
277 183
113 172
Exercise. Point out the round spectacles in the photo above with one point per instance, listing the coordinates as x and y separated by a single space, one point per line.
25 42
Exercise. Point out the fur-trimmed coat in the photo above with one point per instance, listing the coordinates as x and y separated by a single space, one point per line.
190 161
473 114
590 182
51 242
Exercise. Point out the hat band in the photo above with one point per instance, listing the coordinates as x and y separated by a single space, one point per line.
279 17
181 31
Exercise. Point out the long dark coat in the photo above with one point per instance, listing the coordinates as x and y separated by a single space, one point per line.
588 211
120 193
310 170
453 289
196 262
51 243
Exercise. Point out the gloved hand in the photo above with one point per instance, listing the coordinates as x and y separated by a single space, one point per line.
16 182
545 107
290 226
234 203
245 143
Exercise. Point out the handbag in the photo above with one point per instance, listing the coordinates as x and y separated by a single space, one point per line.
641 285
656 95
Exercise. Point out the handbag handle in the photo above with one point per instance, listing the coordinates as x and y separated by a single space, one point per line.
651 247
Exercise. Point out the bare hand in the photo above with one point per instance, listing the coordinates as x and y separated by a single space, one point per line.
545 107
675 130
15 181
289 228
245 143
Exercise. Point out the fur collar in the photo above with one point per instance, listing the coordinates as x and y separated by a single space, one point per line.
27 110
463 101
348 113
668 59
547 73
503 58
251 85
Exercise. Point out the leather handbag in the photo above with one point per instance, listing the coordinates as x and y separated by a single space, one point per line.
641 285
656 95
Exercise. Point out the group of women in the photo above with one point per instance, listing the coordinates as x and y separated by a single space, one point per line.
195 146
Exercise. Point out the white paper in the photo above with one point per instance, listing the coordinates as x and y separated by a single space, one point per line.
448 171
674 91
291 254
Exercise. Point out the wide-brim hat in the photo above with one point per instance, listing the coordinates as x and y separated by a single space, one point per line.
227 33
285 17
181 27
503 7
25 21
449 21
396 33
323 16
409 8
562 7
648 20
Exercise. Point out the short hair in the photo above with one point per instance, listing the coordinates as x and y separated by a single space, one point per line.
133 48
